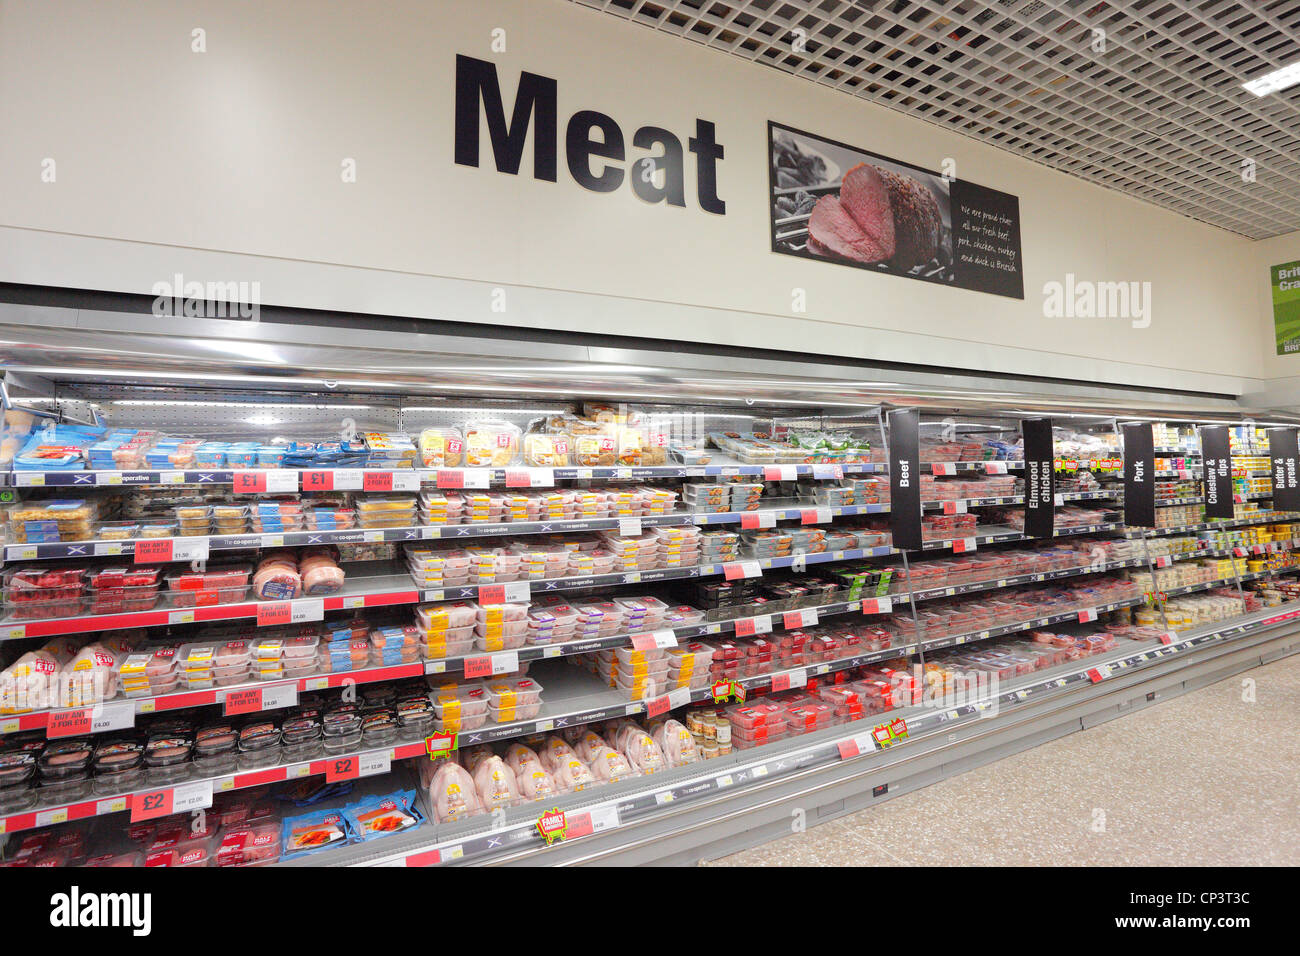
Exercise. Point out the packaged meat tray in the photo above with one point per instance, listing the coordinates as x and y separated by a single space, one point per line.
64 519
227 576
460 708
441 447
519 698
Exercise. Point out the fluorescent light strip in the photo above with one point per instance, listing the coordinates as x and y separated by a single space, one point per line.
1276 81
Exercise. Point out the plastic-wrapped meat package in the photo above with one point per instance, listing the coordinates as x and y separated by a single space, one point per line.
553 752
452 793
518 757
249 845
495 783
676 742
535 783
610 766
588 744
277 579
89 677
571 774
29 683
320 573
644 754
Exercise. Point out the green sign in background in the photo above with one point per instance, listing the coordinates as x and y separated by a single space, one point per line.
1286 307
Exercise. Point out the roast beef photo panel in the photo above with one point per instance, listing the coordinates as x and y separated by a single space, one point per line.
837 203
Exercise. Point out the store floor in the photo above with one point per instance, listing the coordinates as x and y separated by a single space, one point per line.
1204 779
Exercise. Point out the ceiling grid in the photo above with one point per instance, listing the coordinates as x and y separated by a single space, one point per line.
1158 113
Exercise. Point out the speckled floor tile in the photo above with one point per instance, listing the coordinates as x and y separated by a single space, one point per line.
1203 779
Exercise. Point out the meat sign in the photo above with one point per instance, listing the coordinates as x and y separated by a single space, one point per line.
478 97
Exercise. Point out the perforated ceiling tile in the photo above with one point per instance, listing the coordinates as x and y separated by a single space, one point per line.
1156 110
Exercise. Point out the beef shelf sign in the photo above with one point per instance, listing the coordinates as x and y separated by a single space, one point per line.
905 478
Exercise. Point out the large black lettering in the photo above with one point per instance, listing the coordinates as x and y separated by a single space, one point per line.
707 151
580 147
643 184
476 80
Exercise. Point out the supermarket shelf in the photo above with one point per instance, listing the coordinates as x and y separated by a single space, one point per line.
803 511
506 661
1273 518
1003 534
1077 616
993 584
522 476
396 589
411 479
660 802
573 697
480 662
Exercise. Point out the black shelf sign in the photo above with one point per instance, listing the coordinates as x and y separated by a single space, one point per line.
1139 476
1216 457
1040 478
1286 482
905 478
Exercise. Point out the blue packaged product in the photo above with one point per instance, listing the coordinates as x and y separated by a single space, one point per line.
313 832
383 815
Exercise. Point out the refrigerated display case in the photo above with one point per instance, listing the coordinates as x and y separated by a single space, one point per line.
588 602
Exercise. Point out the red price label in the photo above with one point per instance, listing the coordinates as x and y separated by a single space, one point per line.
377 481
1089 615
492 594
318 481
248 482
478 667
450 479
69 723
1166 638
749 521
771 472
153 551
644 642
745 627
148 806
518 478
1095 676
273 613
848 748
342 768
780 682
657 706
246 701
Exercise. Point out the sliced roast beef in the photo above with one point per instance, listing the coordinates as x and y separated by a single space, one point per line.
832 231
864 196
